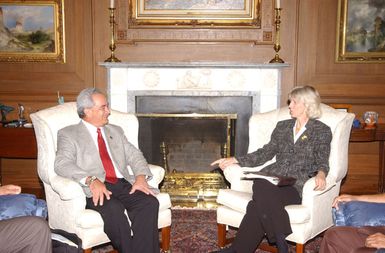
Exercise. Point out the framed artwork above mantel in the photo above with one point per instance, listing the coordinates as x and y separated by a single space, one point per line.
202 13
195 21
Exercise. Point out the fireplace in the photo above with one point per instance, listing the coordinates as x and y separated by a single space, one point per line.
181 90
186 142
185 145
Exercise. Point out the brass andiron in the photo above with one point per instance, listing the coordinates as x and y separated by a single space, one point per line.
112 58
277 45
164 152
224 150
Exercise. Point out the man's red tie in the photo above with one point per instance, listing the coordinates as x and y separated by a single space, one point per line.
106 160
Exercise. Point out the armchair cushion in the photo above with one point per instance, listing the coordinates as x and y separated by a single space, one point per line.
358 213
89 219
236 200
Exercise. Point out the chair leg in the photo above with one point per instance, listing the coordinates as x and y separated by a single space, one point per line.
299 248
166 236
221 235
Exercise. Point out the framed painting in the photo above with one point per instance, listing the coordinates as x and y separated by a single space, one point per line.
195 13
361 31
32 31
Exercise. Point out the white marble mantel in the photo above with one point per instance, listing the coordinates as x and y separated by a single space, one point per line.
126 81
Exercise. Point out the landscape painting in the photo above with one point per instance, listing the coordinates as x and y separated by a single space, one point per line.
194 5
361 31
31 31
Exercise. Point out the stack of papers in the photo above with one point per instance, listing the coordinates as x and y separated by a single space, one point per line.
274 179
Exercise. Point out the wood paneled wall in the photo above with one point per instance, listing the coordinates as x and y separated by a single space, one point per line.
308 33
360 85
35 85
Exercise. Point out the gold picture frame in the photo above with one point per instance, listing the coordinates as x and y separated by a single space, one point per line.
199 13
359 36
32 31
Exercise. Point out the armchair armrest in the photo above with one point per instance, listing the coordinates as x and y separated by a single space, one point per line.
234 173
157 175
308 189
66 188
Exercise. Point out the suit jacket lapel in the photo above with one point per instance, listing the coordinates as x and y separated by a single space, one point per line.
307 134
86 136
291 133
91 146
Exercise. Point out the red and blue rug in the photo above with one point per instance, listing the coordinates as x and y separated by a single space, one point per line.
195 231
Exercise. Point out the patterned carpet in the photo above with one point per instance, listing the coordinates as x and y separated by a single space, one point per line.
195 231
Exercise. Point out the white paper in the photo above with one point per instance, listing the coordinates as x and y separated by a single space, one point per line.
253 175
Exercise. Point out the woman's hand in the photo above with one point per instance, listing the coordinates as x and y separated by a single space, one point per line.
320 181
224 162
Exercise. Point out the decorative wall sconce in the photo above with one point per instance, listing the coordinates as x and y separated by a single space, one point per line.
112 46
277 45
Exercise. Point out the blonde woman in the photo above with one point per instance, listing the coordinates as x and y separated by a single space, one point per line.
301 146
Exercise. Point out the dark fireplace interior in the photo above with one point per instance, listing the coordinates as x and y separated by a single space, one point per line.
192 143
189 143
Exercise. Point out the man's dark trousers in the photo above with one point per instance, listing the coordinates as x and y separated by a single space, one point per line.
142 235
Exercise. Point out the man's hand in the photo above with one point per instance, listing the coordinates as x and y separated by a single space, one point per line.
376 240
141 185
343 198
224 162
320 181
99 191
9 189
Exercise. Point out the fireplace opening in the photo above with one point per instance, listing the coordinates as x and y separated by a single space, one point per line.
186 142
185 145
185 134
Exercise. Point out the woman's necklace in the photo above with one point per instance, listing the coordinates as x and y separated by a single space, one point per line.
298 126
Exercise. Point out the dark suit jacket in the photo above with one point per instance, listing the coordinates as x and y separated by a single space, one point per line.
302 159
78 157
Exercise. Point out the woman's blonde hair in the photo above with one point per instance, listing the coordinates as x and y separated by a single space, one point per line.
310 97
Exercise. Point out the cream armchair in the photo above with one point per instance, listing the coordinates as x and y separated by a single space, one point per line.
314 215
65 198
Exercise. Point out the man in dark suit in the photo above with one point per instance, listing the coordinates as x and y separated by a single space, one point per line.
97 155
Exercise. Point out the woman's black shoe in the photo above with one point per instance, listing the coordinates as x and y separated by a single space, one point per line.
229 249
